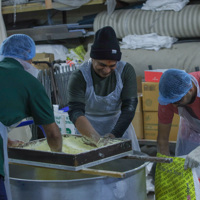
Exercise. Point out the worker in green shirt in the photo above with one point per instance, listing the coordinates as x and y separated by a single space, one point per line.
22 96
102 93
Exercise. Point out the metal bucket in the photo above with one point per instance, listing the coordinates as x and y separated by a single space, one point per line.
51 184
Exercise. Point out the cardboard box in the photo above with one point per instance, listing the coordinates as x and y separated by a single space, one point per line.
46 57
138 124
49 57
139 105
139 84
153 75
151 126
138 119
150 92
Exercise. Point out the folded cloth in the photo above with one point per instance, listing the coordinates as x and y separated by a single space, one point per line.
158 5
147 41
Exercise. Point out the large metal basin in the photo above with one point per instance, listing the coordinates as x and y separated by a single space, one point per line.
33 183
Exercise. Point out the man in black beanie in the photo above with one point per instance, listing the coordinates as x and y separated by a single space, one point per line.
102 93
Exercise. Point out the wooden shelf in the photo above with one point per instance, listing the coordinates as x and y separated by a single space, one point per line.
47 4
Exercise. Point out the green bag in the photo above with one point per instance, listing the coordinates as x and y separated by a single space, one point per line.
172 182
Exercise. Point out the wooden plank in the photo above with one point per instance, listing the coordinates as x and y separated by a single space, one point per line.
95 2
47 4
23 8
98 172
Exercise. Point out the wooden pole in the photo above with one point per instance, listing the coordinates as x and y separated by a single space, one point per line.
48 4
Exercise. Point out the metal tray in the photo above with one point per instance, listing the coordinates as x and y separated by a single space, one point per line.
65 161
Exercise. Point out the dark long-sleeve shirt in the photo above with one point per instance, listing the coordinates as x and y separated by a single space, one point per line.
103 87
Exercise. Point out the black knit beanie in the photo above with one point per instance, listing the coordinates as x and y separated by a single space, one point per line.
106 45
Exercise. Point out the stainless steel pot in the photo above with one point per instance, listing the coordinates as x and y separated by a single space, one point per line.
51 184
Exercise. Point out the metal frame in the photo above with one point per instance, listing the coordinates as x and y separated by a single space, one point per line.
66 167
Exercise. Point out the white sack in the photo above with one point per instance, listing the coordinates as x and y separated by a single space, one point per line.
147 41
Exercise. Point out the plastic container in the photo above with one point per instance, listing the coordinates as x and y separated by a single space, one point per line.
63 121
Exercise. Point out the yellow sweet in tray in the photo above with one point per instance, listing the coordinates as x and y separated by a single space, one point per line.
71 145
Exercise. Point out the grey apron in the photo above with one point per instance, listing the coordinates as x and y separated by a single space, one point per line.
4 135
189 130
104 111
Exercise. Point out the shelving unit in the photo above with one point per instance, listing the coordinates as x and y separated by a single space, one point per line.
49 32
44 5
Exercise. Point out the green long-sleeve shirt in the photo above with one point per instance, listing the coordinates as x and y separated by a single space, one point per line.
22 95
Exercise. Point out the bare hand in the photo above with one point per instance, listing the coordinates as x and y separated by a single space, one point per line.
193 159
14 143
109 135
104 142
89 142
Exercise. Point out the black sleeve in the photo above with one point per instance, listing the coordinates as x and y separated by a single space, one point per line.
127 114
76 109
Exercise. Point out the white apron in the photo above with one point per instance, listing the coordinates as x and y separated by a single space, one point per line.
189 129
3 133
103 112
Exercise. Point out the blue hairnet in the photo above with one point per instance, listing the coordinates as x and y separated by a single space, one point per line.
174 84
18 46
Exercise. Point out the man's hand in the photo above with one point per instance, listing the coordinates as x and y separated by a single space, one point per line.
101 143
87 130
105 141
14 143
54 137
109 135
193 159
89 142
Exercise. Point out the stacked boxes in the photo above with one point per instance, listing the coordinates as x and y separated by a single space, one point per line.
138 119
150 91
145 121
151 126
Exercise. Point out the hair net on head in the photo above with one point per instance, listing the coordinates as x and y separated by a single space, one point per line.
173 85
18 46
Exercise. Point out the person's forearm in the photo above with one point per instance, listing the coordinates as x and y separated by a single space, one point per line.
122 123
163 147
163 138
14 143
86 129
126 117
54 137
